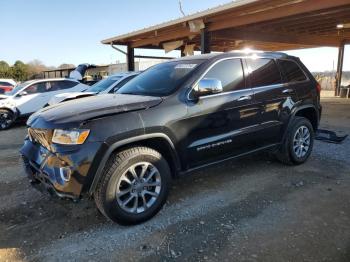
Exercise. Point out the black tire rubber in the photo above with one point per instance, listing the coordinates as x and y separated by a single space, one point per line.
285 153
118 163
12 116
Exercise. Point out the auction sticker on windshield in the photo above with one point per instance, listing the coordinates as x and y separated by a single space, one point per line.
185 66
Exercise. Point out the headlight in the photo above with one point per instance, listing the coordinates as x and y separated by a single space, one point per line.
70 137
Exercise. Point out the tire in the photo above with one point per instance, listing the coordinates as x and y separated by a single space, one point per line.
289 152
115 180
7 118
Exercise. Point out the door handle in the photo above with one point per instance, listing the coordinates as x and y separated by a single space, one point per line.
244 98
287 91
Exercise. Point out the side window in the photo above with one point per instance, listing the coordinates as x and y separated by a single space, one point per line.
230 73
263 72
292 71
41 87
121 83
61 85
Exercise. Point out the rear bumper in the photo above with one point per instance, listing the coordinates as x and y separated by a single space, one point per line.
62 173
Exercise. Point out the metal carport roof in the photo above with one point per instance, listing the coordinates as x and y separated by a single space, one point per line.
266 25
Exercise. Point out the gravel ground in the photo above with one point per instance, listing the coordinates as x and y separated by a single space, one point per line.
252 209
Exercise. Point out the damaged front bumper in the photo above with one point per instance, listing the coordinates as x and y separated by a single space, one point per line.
62 172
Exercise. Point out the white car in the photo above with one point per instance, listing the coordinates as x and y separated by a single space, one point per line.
28 97
108 85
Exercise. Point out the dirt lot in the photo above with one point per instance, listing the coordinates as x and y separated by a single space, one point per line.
253 209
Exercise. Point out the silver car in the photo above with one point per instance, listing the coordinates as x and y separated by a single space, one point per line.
105 86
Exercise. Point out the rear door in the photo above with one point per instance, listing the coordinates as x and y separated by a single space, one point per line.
220 125
274 98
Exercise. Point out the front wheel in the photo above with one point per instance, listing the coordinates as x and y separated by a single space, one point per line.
134 185
7 118
298 143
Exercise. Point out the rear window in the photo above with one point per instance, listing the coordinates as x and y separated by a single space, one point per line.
263 72
292 71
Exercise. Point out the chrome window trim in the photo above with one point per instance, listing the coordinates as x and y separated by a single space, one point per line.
240 90
223 93
271 86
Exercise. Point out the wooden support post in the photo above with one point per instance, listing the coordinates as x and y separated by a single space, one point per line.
205 41
131 58
339 68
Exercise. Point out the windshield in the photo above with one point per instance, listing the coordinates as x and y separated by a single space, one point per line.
160 80
18 88
103 84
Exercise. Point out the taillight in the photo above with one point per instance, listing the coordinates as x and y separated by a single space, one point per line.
318 88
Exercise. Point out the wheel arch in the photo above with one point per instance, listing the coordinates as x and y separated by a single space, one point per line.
157 141
309 112
12 110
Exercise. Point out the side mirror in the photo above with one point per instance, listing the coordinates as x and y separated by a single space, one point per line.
23 93
208 86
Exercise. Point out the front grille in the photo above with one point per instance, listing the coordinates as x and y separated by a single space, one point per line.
41 136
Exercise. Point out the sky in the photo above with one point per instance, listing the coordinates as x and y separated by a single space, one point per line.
70 31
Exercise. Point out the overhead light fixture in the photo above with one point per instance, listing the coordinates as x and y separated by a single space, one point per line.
343 26
170 46
196 25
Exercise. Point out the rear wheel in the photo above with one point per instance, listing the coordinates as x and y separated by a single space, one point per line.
7 118
298 143
134 185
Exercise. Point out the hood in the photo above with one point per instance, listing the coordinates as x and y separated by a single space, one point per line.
68 96
72 113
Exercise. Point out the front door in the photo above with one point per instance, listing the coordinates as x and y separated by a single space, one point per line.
220 124
32 98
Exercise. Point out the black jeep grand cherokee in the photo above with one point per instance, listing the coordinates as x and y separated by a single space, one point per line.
123 149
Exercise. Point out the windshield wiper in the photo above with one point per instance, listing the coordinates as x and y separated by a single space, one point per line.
130 93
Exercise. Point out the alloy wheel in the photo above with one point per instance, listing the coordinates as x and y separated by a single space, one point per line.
301 141
5 120
138 188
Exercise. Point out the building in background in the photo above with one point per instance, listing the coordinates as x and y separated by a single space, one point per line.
102 71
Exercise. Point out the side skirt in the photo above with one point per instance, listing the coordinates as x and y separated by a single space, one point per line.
229 158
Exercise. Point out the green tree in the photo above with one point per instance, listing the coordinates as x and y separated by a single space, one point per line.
5 70
66 66
35 68
20 71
